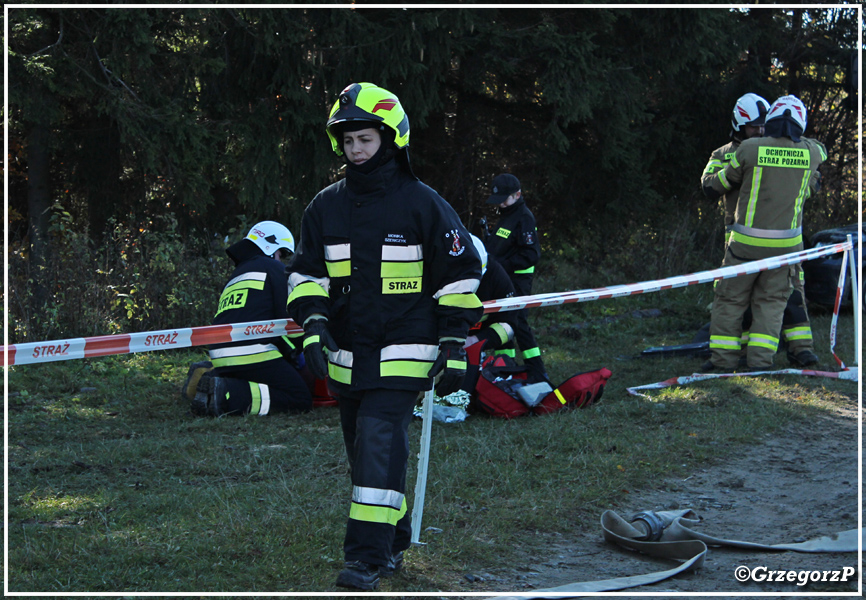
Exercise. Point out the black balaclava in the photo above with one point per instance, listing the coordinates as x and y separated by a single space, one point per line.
784 126
386 150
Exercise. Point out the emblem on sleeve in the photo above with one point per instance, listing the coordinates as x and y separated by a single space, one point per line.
457 247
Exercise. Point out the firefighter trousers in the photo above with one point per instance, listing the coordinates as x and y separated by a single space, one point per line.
523 336
767 294
376 434
273 386
796 328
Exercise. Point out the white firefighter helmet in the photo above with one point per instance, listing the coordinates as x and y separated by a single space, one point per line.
482 252
750 109
271 236
789 106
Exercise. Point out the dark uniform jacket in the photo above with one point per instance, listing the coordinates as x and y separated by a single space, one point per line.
515 243
256 291
391 266
496 328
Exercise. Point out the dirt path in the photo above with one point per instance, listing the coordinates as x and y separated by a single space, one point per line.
797 485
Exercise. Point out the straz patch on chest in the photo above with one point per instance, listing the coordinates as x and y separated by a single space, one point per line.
402 285
792 158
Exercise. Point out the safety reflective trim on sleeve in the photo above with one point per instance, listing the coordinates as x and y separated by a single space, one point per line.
377 514
459 365
407 360
340 366
342 268
713 166
392 253
338 252
311 339
778 234
757 173
243 355
253 280
822 152
506 352
724 342
766 242
764 341
734 162
308 289
392 270
504 331
261 396
525 271
288 340
801 197
531 353
460 300
724 181
464 286
797 333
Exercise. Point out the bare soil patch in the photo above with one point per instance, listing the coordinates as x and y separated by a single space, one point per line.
797 484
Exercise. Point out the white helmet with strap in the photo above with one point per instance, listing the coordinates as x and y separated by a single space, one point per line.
482 252
750 109
271 236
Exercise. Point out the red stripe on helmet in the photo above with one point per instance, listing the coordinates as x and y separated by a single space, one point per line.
385 105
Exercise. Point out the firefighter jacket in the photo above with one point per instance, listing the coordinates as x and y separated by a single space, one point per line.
256 291
774 177
515 242
389 263
497 328
719 159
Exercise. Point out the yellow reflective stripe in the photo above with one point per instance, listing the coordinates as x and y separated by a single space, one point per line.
734 162
462 286
713 166
797 333
256 406
402 269
560 396
247 359
753 196
766 242
724 342
801 198
460 365
340 373
724 181
311 339
506 352
405 368
247 284
460 300
525 271
307 289
764 341
503 330
341 268
377 514
531 353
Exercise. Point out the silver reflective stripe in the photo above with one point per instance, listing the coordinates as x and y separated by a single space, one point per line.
241 350
377 497
296 279
338 252
409 352
402 253
464 286
265 393
343 358
774 234
248 277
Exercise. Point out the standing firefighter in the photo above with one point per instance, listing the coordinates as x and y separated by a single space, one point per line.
259 376
514 243
384 285
773 174
747 121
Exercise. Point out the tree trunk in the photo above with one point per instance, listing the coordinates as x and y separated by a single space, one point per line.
38 205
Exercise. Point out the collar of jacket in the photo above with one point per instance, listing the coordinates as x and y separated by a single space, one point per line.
379 180
243 250
513 208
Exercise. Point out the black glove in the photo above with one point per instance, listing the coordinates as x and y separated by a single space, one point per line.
452 358
316 341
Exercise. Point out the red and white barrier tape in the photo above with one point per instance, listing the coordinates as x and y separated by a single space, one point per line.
173 339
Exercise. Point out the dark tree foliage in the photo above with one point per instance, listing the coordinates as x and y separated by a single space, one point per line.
209 119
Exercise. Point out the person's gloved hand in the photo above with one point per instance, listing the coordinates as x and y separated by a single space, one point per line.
316 341
451 362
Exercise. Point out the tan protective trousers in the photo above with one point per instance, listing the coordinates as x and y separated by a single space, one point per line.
767 293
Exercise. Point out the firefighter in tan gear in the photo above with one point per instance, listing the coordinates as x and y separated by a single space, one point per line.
383 283
747 121
773 174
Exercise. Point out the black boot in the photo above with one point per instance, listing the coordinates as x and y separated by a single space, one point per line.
803 358
395 563
359 575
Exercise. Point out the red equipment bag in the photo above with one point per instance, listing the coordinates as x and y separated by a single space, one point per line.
497 379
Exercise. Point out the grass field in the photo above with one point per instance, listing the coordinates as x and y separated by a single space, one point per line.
114 487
